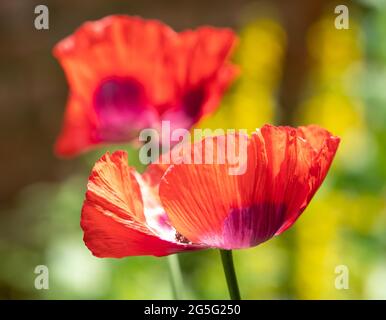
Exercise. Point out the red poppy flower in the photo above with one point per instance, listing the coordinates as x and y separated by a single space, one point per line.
178 207
126 74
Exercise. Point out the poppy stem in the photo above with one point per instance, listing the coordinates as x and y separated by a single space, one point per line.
175 276
230 274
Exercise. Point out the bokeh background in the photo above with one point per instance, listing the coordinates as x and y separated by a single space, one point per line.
296 69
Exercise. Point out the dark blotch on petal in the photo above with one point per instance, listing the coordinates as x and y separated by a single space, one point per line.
246 227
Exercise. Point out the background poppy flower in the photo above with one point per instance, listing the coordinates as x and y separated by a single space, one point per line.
126 74
205 206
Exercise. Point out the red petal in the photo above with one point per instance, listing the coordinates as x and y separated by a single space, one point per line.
285 168
314 160
205 52
109 237
198 197
113 218
203 69
77 132
116 46
154 173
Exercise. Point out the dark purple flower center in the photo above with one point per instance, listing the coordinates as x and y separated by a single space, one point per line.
122 108
193 102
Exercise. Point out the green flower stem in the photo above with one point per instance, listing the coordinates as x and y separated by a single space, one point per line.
230 274
175 276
